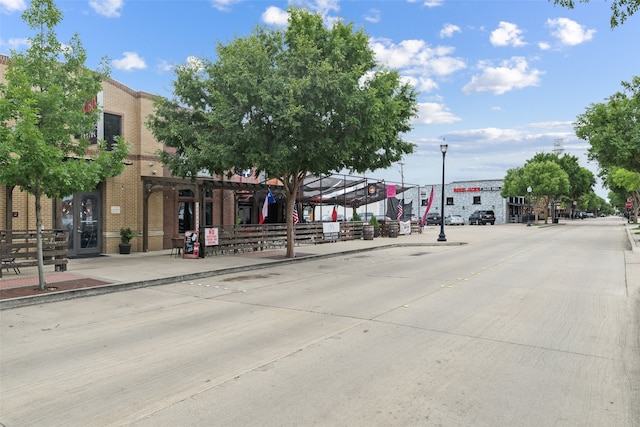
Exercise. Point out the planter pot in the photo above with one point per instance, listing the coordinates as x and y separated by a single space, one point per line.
376 231
125 248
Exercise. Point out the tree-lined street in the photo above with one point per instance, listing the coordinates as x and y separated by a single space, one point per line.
522 326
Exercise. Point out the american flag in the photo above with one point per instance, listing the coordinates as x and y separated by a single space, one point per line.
295 215
399 211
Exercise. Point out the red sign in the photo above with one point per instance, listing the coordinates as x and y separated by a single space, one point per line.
627 205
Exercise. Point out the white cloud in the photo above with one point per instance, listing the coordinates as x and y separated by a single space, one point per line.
108 8
373 16
195 63
449 30
421 84
569 32
14 44
223 5
416 57
433 3
544 46
432 113
511 74
10 6
275 16
163 66
130 61
324 7
507 34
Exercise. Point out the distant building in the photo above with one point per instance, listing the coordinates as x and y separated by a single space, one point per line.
465 197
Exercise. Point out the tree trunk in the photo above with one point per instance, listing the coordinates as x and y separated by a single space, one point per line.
291 186
291 238
41 280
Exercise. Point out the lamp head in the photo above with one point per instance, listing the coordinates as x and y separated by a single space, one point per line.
529 189
443 148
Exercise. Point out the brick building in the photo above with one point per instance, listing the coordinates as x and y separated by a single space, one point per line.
144 197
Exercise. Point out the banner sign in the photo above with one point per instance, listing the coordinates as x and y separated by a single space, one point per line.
330 231
405 227
211 237
191 245
391 191
372 190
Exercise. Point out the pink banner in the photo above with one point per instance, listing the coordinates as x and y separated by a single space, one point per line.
391 191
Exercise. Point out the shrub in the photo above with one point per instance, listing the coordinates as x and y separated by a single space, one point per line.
126 234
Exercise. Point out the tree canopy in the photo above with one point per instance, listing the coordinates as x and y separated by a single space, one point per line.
612 129
44 122
546 178
621 10
305 99
581 180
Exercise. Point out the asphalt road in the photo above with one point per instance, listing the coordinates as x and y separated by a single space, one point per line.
525 326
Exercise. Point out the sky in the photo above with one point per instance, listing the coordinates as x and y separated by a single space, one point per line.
499 81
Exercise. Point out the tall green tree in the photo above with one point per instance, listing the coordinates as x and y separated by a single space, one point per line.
612 128
581 180
630 181
43 120
305 99
546 179
621 10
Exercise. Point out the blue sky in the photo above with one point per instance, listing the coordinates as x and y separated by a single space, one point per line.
499 81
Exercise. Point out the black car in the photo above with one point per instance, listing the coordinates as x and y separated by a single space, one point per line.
434 218
482 217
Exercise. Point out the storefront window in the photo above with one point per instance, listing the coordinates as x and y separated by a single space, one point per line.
112 128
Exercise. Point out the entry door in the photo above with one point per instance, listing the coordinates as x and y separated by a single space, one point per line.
81 217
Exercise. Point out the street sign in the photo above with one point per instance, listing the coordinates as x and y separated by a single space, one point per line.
627 205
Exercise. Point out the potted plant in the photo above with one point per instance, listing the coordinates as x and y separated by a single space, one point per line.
376 226
126 234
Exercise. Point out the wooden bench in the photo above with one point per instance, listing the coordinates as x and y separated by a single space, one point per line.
19 249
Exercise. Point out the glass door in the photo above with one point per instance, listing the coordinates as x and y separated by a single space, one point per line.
81 218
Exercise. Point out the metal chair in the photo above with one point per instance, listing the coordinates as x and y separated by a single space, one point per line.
7 255
177 245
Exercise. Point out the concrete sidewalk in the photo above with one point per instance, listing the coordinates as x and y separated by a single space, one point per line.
114 272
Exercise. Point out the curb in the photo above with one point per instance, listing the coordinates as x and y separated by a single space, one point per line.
118 287
632 240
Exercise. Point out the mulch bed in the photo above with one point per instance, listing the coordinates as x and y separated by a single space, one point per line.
24 291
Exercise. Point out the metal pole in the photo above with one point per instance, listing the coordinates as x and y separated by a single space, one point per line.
529 213
402 182
442 237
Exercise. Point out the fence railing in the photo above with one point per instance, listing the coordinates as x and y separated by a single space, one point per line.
254 237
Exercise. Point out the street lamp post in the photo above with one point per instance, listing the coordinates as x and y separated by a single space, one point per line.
529 190
442 237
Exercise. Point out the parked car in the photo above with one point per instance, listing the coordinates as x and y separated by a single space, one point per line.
433 218
454 220
482 217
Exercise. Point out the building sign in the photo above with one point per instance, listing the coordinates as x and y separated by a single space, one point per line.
475 189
